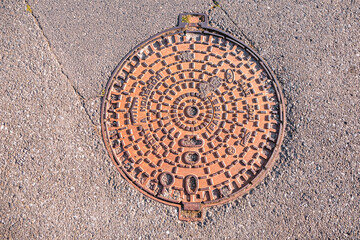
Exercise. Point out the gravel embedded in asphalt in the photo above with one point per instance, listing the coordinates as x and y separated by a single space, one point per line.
57 180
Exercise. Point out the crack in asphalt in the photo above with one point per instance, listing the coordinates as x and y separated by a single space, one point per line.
78 94
241 32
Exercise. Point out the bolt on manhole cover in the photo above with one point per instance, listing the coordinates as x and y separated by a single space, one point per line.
192 117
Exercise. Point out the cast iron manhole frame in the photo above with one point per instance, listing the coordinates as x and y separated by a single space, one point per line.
197 23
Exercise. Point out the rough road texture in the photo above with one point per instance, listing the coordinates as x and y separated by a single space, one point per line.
56 179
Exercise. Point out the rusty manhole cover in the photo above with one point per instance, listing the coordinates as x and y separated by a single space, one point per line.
192 117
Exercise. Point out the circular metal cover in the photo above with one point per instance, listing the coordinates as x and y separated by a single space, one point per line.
192 117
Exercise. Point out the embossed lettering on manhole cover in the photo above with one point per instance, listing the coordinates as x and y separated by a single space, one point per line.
192 117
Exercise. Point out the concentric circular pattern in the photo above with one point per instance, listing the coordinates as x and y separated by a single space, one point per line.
192 117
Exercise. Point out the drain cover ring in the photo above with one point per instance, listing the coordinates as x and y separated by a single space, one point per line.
192 117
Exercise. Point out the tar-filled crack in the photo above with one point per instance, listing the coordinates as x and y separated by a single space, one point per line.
241 32
78 94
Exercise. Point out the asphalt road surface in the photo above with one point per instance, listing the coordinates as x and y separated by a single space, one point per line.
56 178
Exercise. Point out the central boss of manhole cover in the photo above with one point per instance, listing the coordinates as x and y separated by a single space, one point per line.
192 117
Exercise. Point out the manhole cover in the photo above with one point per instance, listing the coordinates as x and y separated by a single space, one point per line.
192 117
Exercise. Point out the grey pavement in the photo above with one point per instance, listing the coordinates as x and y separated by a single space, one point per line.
56 178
